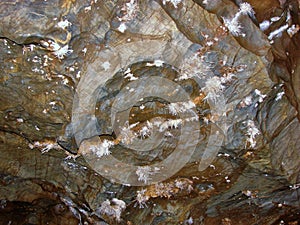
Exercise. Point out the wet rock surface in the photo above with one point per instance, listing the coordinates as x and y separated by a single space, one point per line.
149 112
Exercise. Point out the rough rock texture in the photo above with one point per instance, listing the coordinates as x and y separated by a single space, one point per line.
74 72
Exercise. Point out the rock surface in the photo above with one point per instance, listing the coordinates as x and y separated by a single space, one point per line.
149 112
